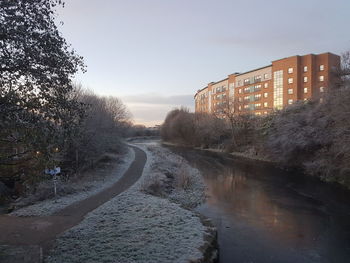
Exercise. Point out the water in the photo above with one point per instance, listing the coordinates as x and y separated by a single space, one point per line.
264 214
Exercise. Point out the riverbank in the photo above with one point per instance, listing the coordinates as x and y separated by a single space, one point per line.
150 222
266 214
251 156
88 184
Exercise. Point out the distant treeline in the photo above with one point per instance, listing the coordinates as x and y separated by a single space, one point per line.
314 134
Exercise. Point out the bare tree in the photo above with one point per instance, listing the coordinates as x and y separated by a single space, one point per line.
101 129
231 111
342 73
179 126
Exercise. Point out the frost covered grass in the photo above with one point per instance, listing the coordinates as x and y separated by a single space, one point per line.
138 227
133 227
91 184
170 176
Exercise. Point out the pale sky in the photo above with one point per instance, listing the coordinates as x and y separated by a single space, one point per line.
155 54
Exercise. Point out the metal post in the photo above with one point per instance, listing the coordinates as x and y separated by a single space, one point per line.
76 161
54 185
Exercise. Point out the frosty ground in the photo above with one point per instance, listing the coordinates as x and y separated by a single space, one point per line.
93 182
147 223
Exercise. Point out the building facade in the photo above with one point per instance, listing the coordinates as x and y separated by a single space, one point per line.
262 90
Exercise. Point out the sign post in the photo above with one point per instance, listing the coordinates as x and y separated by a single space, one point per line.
54 172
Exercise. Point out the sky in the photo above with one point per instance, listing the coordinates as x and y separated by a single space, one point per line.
155 54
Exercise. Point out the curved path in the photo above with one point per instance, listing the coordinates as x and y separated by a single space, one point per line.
40 232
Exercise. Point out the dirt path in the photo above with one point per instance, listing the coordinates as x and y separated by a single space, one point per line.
35 235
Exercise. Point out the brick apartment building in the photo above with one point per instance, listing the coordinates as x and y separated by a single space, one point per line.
262 90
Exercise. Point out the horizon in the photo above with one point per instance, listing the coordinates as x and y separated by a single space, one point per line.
155 60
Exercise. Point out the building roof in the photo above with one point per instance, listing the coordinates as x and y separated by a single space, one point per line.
200 91
253 70
307 55
216 82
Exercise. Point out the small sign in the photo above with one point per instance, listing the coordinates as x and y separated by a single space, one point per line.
53 171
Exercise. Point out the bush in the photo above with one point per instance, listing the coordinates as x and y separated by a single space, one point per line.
194 129
314 136
154 185
99 132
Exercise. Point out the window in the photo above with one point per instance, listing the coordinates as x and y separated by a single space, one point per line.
290 101
239 83
321 67
257 78
257 96
246 98
240 91
305 69
290 70
321 78
305 90
305 79
258 113
265 112
257 105
265 104
290 91
278 89
265 95
246 81
266 85
240 99
266 76
240 108
321 89
290 80
246 106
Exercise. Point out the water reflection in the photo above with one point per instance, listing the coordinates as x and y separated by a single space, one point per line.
264 215
251 202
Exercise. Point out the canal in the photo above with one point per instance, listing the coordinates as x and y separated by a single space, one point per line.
265 214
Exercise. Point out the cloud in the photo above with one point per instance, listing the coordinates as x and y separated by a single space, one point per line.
151 109
150 98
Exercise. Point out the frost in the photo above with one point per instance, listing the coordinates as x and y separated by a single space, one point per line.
90 188
139 227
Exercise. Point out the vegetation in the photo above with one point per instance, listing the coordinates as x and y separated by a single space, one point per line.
106 120
313 135
45 120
